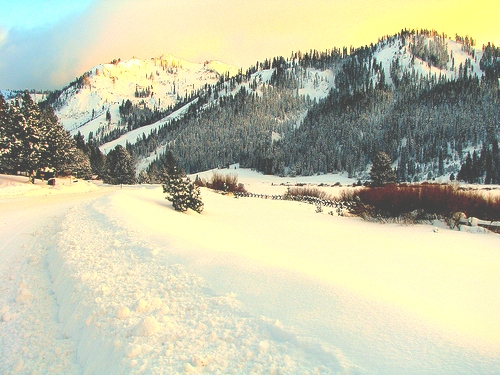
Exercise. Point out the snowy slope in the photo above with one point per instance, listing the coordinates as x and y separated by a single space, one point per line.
131 137
114 281
109 84
396 50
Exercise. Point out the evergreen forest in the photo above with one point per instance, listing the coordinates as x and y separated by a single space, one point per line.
427 124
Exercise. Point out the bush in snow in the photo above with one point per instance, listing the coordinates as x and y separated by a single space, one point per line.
307 192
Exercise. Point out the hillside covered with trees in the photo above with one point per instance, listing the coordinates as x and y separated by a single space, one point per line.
430 102
426 123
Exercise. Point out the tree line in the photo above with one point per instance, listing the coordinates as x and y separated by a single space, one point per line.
32 141
425 123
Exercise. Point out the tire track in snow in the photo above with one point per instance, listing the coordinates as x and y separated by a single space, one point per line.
130 311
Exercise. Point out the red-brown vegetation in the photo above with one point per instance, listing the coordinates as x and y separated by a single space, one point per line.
227 183
431 199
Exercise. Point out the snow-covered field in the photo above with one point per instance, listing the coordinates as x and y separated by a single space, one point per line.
96 279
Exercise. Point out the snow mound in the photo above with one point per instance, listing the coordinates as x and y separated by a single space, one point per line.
15 186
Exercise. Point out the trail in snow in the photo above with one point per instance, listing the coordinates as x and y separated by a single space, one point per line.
31 337
129 309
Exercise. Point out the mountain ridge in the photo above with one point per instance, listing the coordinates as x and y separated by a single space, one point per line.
157 104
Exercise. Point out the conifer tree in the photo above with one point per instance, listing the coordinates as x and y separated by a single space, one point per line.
382 172
22 138
119 167
4 133
183 193
97 160
80 165
59 147
143 178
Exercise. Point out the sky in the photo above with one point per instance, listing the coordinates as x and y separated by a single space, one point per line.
45 44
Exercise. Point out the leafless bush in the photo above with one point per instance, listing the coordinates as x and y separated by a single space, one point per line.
422 202
227 183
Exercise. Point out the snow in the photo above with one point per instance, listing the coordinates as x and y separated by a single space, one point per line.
109 84
390 52
13 186
114 281
258 183
318 84
131 136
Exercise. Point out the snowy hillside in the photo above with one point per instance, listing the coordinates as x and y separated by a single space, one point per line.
105 86
92 284
410 78
393 50
316 84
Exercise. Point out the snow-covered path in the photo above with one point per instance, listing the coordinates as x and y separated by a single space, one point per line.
31 336
116 282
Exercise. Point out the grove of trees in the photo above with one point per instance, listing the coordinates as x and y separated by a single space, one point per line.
31 139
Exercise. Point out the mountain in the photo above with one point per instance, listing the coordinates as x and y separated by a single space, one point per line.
158 83
420 96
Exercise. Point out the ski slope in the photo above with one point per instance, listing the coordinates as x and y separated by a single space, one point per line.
101 280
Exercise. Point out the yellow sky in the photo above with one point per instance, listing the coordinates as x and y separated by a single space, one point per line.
240 32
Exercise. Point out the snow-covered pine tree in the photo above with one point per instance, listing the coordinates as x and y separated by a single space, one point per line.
80 165
4 133
175 187
183 193
31 139
195 203
59 149
23 136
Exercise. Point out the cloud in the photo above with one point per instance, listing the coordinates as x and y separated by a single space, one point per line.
3 34
46 57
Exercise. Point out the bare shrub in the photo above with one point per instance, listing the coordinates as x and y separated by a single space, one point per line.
227 183
426 200
309 191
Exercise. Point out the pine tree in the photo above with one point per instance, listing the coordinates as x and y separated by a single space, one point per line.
24 136
495 156
143 178
97 160
183 193
80 165
382 172
195 203
59 149
31 139
119 167
4 134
